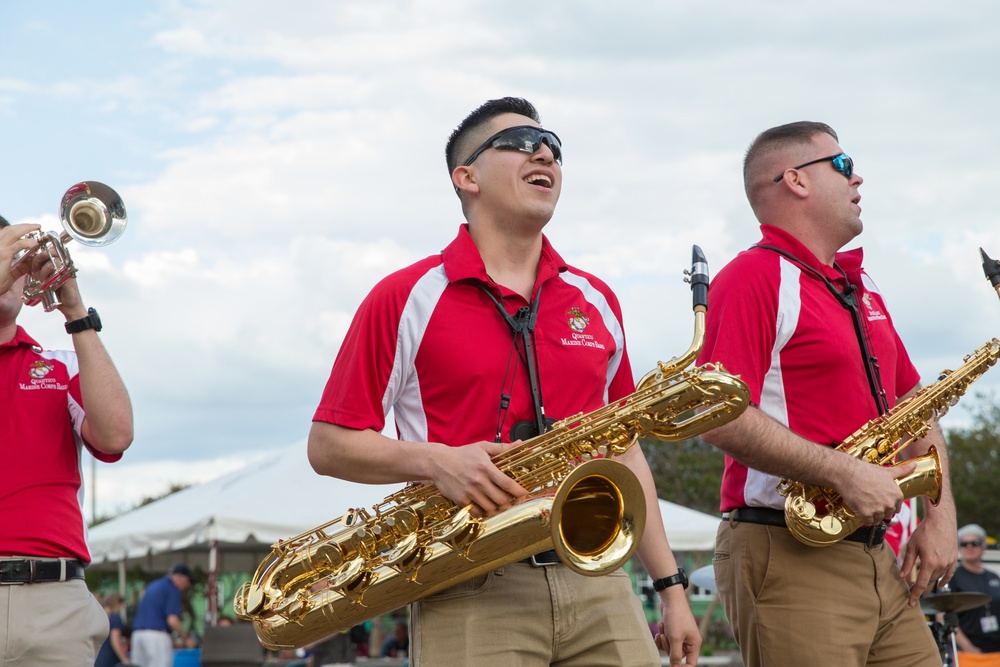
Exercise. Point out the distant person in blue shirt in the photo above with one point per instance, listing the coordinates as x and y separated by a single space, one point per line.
159 613
114 651
397 645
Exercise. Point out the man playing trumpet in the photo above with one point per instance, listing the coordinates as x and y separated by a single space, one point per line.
54 404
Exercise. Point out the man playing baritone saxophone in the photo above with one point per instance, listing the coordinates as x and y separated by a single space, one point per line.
783 318
462 346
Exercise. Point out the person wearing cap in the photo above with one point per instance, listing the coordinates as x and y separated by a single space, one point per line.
158 614
53 404
978 630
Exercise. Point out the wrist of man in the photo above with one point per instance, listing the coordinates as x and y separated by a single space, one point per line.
678 580
75 313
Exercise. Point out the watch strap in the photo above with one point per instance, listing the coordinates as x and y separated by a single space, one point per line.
667 582
91 321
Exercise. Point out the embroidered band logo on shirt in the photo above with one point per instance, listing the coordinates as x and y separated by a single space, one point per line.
40 369
578 322
38 372
872 313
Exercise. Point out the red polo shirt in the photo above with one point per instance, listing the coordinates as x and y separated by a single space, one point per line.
781 330
428 343
41 483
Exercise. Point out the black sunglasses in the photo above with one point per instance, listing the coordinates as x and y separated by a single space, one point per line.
841 162
973 543
524 138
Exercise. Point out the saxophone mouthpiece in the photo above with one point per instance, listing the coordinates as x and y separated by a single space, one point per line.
991 268
699 278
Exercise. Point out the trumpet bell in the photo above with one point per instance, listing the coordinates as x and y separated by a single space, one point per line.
93 214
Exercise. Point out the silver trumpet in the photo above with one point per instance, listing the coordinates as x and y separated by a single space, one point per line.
92 214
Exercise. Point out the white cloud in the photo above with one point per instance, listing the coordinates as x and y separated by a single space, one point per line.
277 161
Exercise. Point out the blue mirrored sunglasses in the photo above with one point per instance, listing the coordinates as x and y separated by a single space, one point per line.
524 138
842 162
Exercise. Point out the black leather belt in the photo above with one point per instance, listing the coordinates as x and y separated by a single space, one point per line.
870 535
543 559
30 571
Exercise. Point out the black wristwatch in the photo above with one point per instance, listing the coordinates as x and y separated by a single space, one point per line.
666 582
91 321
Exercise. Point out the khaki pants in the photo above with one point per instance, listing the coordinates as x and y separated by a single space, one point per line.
791 605
58 624
526 616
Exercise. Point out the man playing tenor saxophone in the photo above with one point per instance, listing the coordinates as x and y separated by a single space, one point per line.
462 346
805 327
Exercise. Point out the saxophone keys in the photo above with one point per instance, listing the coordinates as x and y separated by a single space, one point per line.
831 525
352 580
804 509
460 532
252 599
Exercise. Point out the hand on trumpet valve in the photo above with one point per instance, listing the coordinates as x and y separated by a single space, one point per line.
55 273
14 240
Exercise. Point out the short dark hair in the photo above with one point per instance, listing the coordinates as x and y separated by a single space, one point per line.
799 132
458 142
3 222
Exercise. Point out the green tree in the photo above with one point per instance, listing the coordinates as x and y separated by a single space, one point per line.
974 454
688 472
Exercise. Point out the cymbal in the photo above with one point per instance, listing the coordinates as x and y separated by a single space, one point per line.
704 577
949 602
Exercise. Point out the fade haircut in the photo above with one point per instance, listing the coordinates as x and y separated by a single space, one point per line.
459 143
777 138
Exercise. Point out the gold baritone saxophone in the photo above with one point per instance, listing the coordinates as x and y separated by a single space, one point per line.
582 502
817 516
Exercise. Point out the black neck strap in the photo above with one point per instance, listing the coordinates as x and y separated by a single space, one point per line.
522 324
849 301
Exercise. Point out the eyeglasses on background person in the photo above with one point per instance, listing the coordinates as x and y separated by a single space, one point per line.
970 543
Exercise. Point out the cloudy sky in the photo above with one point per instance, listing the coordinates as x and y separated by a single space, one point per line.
277 159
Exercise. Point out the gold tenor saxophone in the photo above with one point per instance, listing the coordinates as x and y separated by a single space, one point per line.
582 502
817 515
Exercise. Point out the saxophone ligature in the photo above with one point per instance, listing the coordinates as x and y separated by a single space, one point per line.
582 502
93 215
817 516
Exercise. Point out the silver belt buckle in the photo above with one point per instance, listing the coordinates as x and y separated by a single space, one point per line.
537 563
876 533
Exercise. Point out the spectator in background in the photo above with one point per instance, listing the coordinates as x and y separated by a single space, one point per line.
397 645
335 650
115 648
978 630
160 613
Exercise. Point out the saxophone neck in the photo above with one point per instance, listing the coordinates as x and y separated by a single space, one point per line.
697 277
679 363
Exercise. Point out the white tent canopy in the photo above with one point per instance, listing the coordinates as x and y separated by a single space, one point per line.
278 497
244 512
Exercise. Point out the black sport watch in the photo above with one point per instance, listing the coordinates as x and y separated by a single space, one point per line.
91 321
666 582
